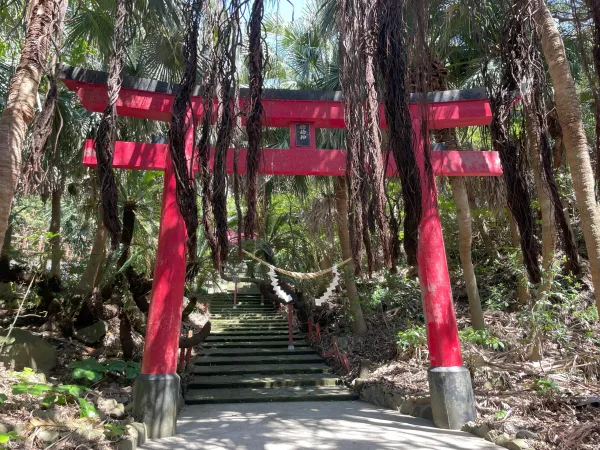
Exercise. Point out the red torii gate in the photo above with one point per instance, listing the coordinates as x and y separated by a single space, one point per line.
157 389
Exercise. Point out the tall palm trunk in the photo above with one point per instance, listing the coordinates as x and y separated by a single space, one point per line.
89 278
576 147
546 207
465 239
55 231
45 17
465 230
359 325
522 281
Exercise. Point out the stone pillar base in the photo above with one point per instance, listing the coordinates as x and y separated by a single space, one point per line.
452 401
155 403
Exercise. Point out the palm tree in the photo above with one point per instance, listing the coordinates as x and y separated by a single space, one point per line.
44 25
570 118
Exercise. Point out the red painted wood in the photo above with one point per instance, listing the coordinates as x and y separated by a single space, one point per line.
299 161
166 302
278 113
442 332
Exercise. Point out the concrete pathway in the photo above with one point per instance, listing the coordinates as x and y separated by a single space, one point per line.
309 425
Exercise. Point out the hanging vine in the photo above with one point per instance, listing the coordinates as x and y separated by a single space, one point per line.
503 94
364 162
392 63
182 120
229 41
254 119
108 127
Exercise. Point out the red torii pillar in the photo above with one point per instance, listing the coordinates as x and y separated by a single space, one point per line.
157 389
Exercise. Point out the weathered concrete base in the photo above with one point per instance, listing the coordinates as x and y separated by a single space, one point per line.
156 403
452 401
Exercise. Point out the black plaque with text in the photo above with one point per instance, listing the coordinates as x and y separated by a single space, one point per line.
303 135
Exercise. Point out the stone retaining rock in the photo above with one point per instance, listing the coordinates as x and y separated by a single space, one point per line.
24 349
92 334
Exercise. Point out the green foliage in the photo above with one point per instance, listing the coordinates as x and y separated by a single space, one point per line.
545 386
113 430
3 398
482 337
11 435
397 291
88 411
93 371
412 339
35 389
501 414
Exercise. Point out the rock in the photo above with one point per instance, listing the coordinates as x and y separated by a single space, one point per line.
359 384
129 443
423 401
526 434
517 444
382 396
492 435
23 349
408 406
111 407
502 440
364 368
343 343
55 415
140 429
48 435
469 427
481 430
92 334
91 434
20 428
426 413
5 428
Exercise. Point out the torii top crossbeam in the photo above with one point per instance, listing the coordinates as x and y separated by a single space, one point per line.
301 112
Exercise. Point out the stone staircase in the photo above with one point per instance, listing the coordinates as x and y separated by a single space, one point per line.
246 359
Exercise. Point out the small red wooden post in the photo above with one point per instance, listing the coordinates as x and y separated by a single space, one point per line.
318 333
290 309
262 300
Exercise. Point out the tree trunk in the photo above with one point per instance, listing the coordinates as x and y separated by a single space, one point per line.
89 278
45 16
465 238
359 325
127 233
546 207
4 253
55 231
465 230
523 294
576 147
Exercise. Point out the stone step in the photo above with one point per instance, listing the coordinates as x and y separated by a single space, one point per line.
259 395
261 381
234 352
249 324
232 313
230 328
244 337
251 332
288 358
266 369
254 344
